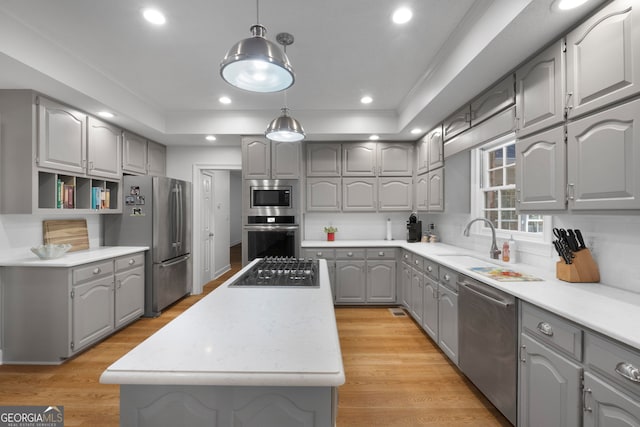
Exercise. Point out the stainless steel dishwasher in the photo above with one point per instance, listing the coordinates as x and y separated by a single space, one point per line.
488 342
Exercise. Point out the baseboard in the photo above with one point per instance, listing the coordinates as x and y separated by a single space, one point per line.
221 271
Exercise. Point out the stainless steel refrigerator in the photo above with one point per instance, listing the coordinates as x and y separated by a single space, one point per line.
156 213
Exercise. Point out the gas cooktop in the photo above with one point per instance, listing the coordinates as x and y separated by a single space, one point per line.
281 272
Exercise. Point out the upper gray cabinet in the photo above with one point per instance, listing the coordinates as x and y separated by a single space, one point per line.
540 91
540 171
324 194
603 152
497 98
394 159
395 194
359 194
435 200
359 159
457 123
603 58
430 152
62 137
264 159
134 154
324 159
104 149
156 159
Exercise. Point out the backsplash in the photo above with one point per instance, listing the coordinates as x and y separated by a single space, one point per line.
355 225
18 233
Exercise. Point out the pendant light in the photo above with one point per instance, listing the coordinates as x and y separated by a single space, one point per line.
256 64
285 128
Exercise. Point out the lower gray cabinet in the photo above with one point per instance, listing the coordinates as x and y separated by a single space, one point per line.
351 281
417 292
430 309
381 281
606 405
92 309
549 386
448 322
405 280
330 256
129 289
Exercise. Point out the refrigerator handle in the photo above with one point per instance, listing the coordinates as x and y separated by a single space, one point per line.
180 219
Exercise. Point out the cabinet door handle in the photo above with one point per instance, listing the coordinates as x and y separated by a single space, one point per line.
523 349
97 270
545 329
571 191
119 284
586 408
628 371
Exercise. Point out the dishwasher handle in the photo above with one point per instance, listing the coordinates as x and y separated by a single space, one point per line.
477 290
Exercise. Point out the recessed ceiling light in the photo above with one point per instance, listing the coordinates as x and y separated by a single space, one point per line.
210 138
416 131
374 137
154 16
402 15
224 100
366 99
570 4
106 114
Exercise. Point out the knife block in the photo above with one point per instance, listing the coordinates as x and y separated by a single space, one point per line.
583 269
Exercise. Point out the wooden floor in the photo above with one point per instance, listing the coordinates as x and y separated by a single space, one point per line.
395 375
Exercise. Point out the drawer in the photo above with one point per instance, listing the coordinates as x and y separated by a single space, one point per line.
381 253
613 360
92 271
407 257
417 262
129 261
431 268
356 253
318 253
448 278
553 330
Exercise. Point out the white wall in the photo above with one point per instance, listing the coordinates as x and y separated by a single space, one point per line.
355 225
181 160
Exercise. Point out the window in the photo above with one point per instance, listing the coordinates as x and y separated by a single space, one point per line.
497 166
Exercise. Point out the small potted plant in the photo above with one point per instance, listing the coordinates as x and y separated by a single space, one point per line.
331 233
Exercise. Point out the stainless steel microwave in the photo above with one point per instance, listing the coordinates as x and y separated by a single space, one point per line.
271 197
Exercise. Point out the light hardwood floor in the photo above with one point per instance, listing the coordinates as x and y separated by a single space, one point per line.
395 375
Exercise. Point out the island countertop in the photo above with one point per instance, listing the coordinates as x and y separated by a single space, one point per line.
254 336
71 259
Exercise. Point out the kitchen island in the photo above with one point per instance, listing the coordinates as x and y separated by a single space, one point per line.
243 356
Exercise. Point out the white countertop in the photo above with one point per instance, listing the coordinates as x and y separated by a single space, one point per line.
239 336
72 259
605 309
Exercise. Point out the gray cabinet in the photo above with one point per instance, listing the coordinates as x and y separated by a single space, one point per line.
92 296
52 313
541 163
359 159
129 289
395 194
417 291
435 198
62 137
350 281
540 91
603 58
430 314
394 159
134 154
448 312
430 151
495 99
264 159
603 152
421 198
405 279
456 123
381 281
359 194
324 159
330 256
104 149
606 405
324 194
549 386
156 159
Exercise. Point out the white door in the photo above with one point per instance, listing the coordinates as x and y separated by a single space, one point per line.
221 213
206 228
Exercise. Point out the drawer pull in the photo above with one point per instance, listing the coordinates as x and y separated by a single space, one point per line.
446 277
416 262
406 256
380 253
97 270
628 371
545 329
318 254
349 253
132 261
429 269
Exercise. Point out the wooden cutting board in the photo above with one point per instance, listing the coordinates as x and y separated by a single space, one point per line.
73 231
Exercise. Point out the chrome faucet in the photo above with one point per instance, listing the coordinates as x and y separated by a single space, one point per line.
495 252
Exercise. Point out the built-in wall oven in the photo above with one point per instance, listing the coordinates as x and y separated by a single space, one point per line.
270 212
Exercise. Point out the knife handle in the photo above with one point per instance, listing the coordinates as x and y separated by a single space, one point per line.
580 239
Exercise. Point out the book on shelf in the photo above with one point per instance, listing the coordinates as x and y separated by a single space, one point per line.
100 198
68 196
59 192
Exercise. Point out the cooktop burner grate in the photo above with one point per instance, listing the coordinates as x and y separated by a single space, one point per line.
281 272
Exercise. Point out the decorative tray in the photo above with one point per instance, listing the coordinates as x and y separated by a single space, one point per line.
505 275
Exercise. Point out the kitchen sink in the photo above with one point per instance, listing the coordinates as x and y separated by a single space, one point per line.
469 261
